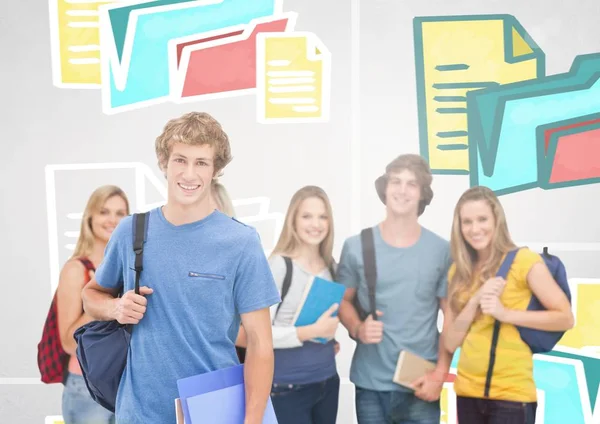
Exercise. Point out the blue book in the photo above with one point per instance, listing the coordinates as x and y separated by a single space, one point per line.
318 297
217 397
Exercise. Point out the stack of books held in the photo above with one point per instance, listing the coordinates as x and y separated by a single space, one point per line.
216 397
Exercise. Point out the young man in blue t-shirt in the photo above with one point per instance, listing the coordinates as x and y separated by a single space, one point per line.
203 273
411 263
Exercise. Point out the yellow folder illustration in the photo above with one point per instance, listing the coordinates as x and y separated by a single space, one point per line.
293 78
457 54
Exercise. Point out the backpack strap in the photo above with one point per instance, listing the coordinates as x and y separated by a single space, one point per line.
139 235
140 221
370 266
89 266
502 272
287 282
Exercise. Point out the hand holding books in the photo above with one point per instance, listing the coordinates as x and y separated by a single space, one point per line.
326 325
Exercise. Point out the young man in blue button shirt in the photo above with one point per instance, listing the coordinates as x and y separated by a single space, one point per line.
203 273
412 263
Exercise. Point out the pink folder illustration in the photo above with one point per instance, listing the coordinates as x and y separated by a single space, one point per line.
569 152
220 63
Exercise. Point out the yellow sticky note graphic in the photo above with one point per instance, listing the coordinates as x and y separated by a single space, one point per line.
456 54
293 78
54 419
585 299
75 41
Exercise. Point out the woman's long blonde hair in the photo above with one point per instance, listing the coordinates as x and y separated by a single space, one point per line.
464 256
289 241
222 199
85 242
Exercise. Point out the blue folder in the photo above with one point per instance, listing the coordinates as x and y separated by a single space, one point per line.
217 397
135 38
319 296
502 121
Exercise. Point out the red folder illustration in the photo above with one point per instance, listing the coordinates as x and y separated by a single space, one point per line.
220 63
569 152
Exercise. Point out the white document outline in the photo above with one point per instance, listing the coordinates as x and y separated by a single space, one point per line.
109 59
143 176
178 73
313 42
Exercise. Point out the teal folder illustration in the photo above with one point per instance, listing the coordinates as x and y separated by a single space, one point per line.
318 297
134 41
503 121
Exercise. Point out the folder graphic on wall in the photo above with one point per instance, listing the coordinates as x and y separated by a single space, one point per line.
569 152
456 54
503 130
135 37
220 63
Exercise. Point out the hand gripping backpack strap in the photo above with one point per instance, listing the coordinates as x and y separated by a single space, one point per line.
139 223
370 266
287 282
502 272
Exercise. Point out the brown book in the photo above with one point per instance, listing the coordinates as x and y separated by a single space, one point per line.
410 367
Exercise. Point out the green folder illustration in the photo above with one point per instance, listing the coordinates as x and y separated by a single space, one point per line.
503 122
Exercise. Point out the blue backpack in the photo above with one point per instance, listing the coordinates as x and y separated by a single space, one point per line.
539 341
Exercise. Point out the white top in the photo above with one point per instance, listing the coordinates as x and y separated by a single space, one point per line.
284 334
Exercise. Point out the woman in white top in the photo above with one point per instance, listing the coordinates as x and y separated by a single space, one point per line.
305 382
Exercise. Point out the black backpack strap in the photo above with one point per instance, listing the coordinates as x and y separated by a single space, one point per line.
287 282
140 221
502 272
139 225
370 266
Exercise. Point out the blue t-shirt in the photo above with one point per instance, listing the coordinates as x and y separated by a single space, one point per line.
204 275
410 283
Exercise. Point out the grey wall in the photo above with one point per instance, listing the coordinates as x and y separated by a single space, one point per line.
373 119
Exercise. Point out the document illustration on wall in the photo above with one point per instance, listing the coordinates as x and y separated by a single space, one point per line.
457 54
69 186
198 50
75 43
293 78
487 109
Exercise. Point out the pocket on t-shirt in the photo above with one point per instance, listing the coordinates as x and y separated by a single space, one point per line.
427 283
205 275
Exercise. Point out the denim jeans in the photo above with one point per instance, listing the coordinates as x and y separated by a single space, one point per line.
396 407
488 411
315 403
78 407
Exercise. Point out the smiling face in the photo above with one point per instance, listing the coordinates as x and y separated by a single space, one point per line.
312 221
403 193
477 224
104 221
189 171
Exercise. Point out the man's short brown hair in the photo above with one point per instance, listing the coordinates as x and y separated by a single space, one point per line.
418 166
194 129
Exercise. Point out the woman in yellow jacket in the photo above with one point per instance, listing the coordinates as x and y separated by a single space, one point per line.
479 242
